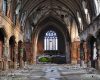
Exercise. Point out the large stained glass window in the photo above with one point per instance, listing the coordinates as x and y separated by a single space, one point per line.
50 40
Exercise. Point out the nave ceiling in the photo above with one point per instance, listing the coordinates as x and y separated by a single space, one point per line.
65 11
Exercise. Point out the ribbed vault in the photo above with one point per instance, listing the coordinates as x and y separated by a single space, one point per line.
37 9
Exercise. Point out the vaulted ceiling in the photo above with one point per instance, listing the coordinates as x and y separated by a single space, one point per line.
38 9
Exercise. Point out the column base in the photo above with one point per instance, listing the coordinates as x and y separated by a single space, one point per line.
5 63
21 64
34 62
89 64
15 65
82 63
99 63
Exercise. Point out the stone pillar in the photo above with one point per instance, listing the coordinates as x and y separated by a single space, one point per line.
9 60
15 55
21 51
82 55
68 60
35 51
88 58
5 54
98 52
85 52
98 59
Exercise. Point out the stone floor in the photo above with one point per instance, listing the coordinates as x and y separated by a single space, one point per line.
50 72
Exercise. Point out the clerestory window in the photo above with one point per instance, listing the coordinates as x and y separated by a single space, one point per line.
97 4
4 7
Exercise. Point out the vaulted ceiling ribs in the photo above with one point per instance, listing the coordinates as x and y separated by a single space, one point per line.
37 9
51 7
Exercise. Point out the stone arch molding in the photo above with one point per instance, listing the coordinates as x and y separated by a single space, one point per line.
89 36
59 25
4 31
52 20
97 34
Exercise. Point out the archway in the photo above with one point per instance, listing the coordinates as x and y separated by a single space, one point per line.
12 50
91 41
52 24
51 42
2 36
2 42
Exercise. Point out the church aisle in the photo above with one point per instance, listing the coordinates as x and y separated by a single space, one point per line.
50 72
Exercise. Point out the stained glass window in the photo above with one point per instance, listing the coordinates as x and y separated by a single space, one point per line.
50 40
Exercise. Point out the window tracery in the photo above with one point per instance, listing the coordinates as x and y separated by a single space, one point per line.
50 41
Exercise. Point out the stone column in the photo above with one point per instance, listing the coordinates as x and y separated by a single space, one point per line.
5 54
88 57
82 55
98 52
68 60
35 51
85 51
15 55
9 60
21 63
98 59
